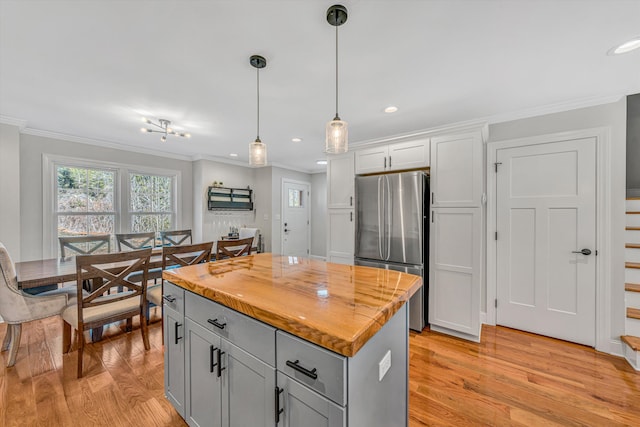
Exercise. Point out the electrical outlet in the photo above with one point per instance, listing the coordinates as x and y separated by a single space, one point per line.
384 365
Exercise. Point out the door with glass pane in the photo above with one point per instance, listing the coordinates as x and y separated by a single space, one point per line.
295 218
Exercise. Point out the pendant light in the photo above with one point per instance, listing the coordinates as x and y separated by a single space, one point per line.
336 140
257 149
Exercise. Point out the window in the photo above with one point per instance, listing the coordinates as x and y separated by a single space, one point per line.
85 201
151 202
90 197
295 198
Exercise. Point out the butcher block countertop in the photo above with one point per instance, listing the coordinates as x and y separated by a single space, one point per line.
338 307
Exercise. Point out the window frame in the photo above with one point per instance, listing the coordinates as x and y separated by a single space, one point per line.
122 220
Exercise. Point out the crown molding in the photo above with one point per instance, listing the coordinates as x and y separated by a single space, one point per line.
20 123
104 144
553 108
217 159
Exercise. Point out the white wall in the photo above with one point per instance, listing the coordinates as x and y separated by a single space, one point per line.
633 145
211 225
612 116
319 214
9 186
33 147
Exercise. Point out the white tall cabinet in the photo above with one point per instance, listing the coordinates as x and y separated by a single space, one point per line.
456 233
340 208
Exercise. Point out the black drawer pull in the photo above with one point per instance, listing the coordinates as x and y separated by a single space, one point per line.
278 409
212 365
177 325
168 298
220 368
215 323
309 373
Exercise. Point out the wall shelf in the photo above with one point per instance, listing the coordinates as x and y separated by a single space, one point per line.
224 198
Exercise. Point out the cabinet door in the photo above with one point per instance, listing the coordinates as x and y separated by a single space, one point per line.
340 181
174 358
341 238
455 270
303 407
372 160
409 155
456 170
203 384
248 389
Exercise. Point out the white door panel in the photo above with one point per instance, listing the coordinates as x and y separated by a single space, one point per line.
545 211
295 219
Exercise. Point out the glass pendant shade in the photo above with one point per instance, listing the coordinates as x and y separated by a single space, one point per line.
257 153
337 137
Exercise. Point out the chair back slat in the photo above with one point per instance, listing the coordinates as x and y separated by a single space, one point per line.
233 248
201 253
135 241
175 237
84 245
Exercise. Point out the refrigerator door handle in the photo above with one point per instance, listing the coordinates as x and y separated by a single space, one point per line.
389 217
380 204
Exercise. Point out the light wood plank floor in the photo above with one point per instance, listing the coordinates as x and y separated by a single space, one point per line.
511 378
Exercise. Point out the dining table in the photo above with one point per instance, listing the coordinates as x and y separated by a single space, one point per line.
31 274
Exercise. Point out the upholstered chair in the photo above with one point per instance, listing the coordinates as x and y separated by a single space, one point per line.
17 307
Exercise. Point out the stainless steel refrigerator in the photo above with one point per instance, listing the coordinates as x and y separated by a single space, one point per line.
392 230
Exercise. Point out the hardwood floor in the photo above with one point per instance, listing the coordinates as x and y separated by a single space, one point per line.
511 378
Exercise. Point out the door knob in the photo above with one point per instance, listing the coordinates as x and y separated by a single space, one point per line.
583 252
285 230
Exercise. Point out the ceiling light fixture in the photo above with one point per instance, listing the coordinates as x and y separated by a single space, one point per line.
321 162
625 47
233 154
337 135
165 128
257 149
296 139
391 109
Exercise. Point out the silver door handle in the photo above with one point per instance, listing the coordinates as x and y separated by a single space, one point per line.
583 252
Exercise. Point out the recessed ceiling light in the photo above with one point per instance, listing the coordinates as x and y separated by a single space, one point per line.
233 154
391 109
321 162
296 139
625 47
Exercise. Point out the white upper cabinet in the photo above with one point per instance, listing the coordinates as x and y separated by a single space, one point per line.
456 170
340 181
404 155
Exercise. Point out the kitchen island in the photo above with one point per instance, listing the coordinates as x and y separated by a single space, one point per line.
268 340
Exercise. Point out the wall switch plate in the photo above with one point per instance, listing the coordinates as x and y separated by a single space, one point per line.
384 365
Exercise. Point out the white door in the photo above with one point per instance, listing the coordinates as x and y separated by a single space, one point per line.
295 218
545 213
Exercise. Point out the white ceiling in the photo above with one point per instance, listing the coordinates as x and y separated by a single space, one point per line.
93 68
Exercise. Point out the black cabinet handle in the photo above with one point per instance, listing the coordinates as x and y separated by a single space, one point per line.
385 162
350 200
168 298
220 368
177 325
297 367
212 351
215 323
389 161
279 410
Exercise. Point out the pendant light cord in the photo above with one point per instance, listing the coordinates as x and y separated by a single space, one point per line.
258 104
337 117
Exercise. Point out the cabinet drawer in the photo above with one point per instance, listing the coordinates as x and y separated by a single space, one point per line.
249 334
173 297
306 360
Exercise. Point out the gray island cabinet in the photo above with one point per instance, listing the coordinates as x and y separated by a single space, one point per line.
225 368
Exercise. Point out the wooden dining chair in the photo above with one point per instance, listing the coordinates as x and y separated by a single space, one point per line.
175 237
97 309
171 258
135 241
84 245
233 248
